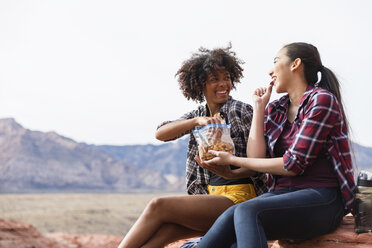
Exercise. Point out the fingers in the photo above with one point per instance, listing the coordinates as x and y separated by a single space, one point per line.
199 161
216 120
270 87
218 116
210 120
213 152
260 91
203 164
264 91
212 165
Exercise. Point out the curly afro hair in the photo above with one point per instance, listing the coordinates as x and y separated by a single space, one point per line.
193 74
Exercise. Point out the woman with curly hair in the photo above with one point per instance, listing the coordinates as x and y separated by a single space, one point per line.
208 75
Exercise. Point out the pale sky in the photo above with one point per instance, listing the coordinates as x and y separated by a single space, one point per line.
102 71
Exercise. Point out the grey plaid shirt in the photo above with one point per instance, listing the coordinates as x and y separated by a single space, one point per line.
239 115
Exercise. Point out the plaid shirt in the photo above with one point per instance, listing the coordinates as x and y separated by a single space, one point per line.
321 130
239 115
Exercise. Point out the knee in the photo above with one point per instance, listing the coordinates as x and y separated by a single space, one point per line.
156 206
249 207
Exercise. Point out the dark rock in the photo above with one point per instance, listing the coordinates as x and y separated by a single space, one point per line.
343 237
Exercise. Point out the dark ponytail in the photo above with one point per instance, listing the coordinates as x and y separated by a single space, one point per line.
310 58
329 82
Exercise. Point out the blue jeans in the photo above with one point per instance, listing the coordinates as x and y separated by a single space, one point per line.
288 213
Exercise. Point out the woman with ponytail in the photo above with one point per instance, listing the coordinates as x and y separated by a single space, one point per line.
301 142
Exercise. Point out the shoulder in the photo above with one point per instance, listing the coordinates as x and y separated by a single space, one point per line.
323 106
199 111
322 97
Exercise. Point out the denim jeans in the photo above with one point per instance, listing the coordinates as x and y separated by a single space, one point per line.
288 213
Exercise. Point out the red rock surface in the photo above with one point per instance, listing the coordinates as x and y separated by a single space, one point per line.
343 237
86 240
20 235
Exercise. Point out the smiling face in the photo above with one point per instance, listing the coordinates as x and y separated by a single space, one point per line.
281 72
217 87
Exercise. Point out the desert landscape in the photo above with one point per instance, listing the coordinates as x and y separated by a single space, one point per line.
111 214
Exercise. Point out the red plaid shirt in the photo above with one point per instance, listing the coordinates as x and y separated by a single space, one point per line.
321 130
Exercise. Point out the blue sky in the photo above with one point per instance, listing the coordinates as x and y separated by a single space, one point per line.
102 72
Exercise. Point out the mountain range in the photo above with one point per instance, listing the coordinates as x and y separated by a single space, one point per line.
34 161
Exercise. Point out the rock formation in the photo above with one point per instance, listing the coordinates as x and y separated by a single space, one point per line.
342 237
33 161
20 235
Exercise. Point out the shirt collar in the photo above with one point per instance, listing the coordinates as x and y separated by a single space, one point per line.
309 89
226 106
284 101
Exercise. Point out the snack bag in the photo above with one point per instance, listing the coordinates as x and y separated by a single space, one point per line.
213 137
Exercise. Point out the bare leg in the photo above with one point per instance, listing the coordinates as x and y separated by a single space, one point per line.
194 212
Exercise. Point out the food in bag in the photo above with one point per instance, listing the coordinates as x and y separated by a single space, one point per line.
213 137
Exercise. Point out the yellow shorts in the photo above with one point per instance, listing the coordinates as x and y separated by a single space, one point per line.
236 193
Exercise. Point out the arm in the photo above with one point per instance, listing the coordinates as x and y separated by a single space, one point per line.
225 170
265 165
256 145
219 166
174 129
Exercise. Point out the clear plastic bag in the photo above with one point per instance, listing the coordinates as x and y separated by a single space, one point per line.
213 137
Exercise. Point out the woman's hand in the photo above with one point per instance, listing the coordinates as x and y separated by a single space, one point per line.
203 120
222 170
222 158
261 96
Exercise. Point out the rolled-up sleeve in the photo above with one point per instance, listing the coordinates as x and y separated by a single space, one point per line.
320 115
186 116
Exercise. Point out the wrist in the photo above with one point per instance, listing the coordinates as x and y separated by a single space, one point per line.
196 121
259 106
237 173
231 160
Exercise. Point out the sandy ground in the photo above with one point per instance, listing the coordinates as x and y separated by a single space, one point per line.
76 213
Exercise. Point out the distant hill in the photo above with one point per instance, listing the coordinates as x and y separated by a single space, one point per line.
33 161
168 158
363 157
